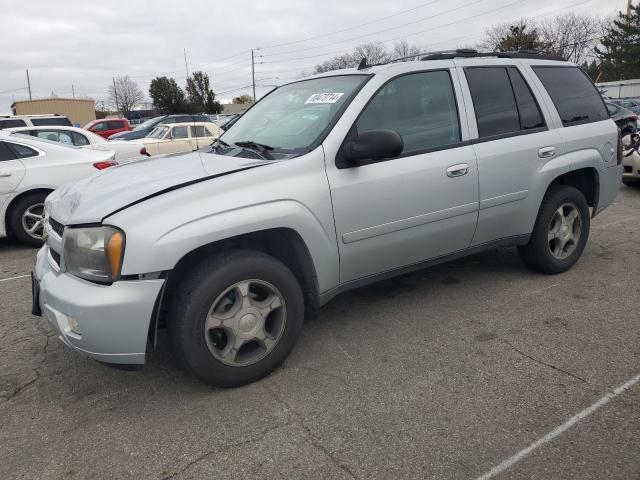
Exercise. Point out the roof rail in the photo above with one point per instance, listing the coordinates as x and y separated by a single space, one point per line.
471 53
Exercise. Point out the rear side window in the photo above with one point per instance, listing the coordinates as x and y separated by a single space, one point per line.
493 101
199 131
48 122
421 107
100 127
180 132
502 101
528 110
115 125
22 151
11 123
5 153
574 95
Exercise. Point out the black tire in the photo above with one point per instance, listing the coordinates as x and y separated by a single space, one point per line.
537 254
15 218
631 182
195 296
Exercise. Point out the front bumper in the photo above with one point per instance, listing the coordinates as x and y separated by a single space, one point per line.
108 323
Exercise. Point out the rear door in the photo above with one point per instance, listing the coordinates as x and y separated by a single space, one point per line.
513 143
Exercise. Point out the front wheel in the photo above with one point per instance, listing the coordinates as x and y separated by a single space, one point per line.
236 318
27 219
560 233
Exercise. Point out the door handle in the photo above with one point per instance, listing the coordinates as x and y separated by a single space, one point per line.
547 152
458 170
5 174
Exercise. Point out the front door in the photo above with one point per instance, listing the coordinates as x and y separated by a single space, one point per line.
419 206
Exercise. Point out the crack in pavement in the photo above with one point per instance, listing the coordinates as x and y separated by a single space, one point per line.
36 370
224 448
572 375
313 440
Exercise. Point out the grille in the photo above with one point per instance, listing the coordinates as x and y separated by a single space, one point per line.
56 227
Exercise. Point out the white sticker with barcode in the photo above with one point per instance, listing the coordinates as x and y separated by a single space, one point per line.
324 98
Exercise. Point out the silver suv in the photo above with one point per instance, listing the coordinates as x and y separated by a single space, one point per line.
327 184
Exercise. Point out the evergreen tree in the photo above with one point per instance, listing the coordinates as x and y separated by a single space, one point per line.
620 51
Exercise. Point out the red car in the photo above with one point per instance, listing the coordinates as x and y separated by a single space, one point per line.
108 126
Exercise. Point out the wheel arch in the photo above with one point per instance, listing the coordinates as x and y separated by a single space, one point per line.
586 179
282 243
16 199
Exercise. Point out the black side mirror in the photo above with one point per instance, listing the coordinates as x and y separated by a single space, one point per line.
373 145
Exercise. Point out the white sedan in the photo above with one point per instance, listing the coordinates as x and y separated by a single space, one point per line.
30 169
124 151
181 137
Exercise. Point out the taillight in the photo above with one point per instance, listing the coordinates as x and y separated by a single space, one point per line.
620 147
103 165
143 151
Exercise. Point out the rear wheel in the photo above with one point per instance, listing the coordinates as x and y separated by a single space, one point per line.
560 233
27 219
236 318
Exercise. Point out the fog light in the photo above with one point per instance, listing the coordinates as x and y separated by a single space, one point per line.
73 325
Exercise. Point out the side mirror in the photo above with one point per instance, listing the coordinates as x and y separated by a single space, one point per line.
373 145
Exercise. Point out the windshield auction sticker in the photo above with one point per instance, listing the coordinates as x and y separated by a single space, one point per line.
324 98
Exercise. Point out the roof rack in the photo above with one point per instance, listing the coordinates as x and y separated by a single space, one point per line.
471 53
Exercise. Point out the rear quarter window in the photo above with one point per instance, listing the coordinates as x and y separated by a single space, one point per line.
574 95
57 121
11 123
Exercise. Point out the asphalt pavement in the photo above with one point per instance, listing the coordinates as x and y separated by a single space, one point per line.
476 367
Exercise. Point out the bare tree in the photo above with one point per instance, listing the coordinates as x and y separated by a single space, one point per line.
126 94
521 35
572 36
405 50
374 52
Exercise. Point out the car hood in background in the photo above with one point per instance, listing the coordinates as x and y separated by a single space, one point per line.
92 199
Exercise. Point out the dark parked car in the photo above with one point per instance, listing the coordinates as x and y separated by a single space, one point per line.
629 103
624 118
145 128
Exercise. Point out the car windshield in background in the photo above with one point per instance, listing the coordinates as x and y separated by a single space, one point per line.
293 117
158 132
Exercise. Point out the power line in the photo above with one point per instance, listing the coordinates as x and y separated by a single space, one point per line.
350 28
413 22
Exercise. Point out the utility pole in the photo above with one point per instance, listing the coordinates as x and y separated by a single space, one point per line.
115 94
186 67
73 92
29 84
628 8
253 76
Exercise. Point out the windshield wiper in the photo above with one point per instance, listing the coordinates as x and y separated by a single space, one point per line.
259 147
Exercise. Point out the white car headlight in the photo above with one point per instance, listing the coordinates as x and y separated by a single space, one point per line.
94 253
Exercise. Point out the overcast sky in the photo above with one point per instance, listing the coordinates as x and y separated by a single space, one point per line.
85 43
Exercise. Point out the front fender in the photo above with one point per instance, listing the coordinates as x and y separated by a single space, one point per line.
164 249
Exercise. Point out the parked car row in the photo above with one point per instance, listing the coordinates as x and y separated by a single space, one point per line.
30 169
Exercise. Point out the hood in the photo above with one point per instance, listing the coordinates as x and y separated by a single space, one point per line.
92 199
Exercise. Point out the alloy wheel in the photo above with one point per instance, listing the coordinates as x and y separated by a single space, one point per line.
245 323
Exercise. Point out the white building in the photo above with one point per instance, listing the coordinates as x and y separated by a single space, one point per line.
621 88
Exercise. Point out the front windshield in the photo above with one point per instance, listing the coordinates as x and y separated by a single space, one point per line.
158 132
149 123
294 116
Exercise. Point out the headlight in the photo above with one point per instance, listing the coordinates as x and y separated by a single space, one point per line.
94 253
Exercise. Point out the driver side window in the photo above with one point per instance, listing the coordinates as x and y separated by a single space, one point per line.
421 107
